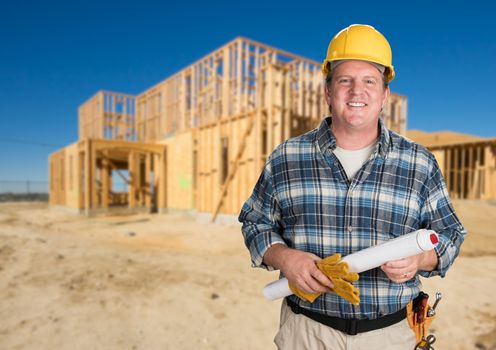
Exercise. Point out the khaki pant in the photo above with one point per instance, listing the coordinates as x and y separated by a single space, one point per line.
298 332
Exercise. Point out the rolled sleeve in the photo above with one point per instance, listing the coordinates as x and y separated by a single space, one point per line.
260 216
439 215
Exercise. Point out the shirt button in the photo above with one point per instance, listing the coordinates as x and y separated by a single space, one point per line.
350 229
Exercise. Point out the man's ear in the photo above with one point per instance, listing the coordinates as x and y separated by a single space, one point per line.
386 96
327 93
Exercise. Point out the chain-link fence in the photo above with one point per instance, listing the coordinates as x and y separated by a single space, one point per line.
13 190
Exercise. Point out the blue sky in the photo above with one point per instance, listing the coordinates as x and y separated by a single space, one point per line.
55 55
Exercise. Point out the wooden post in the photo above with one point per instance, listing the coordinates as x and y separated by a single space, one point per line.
239 77
474 191
270 109
471 171
278 107
148 181
447 174
81 177
140 180
132 180
463 172
257 137
93 174
456 173
162 180
216 137
226 72
287 106
88 176
480 171
105 171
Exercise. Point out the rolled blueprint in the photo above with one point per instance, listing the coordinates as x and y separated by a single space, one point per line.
401 247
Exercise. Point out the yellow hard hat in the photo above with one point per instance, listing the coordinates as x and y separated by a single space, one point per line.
360 42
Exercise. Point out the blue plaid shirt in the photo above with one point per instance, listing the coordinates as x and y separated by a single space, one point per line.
303 199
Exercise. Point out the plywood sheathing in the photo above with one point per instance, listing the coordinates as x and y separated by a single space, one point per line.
179 171
63 177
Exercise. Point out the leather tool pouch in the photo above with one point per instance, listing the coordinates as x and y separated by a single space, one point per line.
420 324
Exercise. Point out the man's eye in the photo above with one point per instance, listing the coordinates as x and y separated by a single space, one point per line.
344 80
370 81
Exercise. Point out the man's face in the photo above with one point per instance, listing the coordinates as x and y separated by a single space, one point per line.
356 95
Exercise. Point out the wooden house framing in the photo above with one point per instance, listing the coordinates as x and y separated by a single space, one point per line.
468 163
469 168
197 140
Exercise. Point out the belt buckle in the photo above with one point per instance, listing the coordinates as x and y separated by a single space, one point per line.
351 327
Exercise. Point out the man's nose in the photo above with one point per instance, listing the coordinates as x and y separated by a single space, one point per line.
357 88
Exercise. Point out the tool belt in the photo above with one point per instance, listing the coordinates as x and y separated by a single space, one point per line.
349 326
417 314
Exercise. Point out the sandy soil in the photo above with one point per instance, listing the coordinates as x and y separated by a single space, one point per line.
169 282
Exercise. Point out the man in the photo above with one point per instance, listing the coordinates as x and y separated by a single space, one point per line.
347 185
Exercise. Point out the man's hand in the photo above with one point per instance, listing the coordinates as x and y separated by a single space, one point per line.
299 268
402 270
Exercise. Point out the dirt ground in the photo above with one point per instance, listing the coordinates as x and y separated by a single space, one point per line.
170 282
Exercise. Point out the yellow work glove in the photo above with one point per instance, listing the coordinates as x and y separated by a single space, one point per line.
342 279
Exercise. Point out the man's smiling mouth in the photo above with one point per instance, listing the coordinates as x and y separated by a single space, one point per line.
356 104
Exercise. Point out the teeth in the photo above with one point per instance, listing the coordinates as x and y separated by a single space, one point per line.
356 104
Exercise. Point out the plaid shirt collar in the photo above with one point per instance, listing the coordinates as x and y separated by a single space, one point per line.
326 139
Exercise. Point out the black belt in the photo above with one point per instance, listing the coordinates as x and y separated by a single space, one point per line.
349 326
